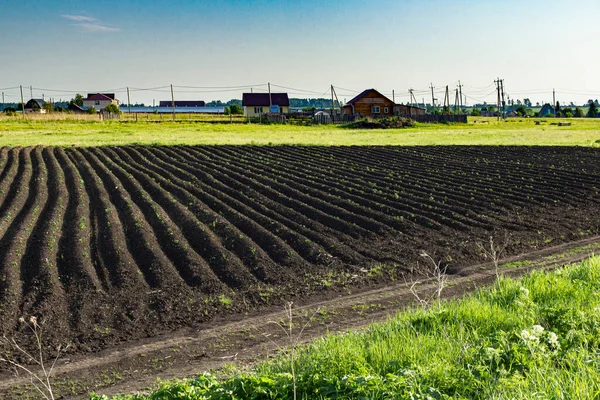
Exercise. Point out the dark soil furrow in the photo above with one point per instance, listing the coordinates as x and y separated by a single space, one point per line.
325 203
24 213
141 240
258 210
394 213
43 290
311 208
158 207
277 249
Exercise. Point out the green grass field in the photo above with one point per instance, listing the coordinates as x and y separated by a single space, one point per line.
533 338
15 131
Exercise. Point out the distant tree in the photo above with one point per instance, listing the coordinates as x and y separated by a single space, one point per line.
527 103
91 110
519 102
592 111
475 112
568 114
227 110
112 108
77 100
491 108
578 113
58 108
49 107
537 104
236 109
521 110
557 110
529 111
566 110
10 110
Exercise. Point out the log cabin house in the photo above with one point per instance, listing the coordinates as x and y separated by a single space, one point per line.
371 103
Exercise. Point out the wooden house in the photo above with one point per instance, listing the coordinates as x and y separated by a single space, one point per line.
256 104
370 103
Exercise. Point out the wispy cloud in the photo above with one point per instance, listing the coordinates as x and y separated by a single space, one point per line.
89 24
78 17
96 27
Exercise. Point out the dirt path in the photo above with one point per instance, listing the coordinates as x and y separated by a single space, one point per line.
245 339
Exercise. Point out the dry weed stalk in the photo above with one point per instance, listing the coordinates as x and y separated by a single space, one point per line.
293 339
40 381
435 272
494 252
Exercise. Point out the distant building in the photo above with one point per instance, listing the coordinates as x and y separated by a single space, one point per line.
99 100
182 103
370 103
546 110
256 104
76 109
35 106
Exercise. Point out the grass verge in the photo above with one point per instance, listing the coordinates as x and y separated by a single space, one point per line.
535 337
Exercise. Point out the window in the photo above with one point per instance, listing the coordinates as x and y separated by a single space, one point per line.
258 110
375 109
97 103
385 110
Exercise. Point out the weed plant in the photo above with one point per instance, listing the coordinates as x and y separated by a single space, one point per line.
536 337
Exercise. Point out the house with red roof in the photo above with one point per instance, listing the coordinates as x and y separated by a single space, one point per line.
99 100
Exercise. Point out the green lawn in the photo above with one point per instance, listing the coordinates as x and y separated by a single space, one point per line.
533 338
14 131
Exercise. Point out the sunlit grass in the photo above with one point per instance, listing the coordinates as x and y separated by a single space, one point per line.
15 131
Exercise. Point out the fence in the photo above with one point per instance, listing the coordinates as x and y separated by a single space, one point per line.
461 118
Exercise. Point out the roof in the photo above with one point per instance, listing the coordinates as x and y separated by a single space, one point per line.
30 103
182 103
364 92
262 99
100 96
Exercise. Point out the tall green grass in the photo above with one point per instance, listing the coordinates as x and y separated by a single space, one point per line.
536 337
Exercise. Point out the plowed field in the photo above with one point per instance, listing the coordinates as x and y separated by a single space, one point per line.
116 243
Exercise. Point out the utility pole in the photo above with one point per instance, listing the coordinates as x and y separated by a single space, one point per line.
503 102
331 86
2 101
460 94
31 91
128 101
446 108
432 97
554 101
393 97
456 101
173 102
412 98
22 101
497 82
270 100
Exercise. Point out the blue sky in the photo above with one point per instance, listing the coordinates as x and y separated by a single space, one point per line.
74 46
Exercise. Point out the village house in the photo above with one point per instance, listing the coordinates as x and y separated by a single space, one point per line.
99 100
256 104
370 103
546 110
35 106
